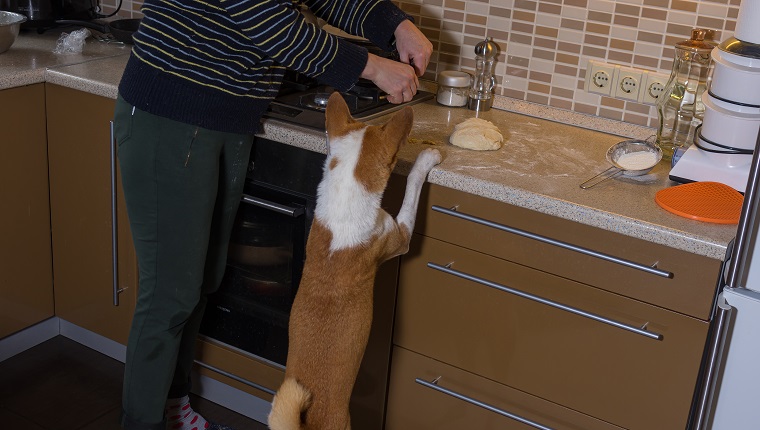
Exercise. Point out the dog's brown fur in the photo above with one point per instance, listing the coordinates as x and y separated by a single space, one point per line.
332 312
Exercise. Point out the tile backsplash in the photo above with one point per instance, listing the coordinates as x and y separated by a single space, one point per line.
545 45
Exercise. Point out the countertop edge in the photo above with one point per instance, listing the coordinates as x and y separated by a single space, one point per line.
314 140
57 77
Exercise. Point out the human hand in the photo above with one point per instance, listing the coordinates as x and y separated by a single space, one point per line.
412 46
397 80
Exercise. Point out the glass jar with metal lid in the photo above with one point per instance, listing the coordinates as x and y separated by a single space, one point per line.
453 88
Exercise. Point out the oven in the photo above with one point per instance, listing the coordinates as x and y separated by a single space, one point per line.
250 311
249 314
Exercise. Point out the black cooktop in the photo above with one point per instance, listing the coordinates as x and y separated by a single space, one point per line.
302 101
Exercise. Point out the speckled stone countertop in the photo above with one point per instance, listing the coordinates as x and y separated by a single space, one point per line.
546 155
31 58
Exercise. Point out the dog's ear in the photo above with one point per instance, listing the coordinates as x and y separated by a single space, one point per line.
337 115
397 129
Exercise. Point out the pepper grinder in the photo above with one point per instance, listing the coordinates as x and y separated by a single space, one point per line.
481 92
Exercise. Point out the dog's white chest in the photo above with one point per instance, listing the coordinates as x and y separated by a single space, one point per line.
344 205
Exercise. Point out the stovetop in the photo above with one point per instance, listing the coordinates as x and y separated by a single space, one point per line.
302 101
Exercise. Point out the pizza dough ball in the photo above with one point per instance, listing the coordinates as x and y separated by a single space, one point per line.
477 134
475 122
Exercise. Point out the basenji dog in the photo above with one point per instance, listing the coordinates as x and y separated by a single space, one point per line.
351 235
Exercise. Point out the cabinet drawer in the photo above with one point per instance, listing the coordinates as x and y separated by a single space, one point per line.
584 354
242 367
413 406
691 290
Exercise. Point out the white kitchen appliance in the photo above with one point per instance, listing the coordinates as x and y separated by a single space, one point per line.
698 165
723 144
722 151
732 400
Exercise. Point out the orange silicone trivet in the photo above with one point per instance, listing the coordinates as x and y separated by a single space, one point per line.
703 201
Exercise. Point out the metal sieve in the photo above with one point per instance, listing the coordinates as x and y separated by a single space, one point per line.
614 155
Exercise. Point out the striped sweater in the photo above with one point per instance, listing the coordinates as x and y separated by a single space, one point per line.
218 63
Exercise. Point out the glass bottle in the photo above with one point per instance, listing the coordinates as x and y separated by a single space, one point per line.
481 92
680 109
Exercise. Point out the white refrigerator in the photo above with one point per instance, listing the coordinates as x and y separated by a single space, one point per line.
733 398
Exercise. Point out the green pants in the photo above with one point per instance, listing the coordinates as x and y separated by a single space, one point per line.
182 186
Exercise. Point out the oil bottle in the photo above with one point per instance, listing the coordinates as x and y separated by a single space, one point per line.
679 108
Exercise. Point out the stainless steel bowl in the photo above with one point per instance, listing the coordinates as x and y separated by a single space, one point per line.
10 24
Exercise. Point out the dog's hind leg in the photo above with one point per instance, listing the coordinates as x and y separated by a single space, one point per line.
425 162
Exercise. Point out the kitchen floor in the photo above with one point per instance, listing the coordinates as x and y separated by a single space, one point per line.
63 385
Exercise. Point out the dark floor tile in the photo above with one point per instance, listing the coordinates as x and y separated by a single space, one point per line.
13 421
107 421
219 414
60 384
63 385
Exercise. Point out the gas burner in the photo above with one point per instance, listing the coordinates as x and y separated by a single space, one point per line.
318 101
315 101
364 92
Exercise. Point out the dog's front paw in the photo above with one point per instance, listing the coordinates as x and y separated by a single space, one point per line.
428 158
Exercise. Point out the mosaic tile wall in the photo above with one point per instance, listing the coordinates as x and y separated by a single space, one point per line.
546 44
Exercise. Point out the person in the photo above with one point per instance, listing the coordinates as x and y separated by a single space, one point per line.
199 77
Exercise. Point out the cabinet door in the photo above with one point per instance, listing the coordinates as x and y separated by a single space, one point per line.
453 399
591 362
26 279
79 148
691 290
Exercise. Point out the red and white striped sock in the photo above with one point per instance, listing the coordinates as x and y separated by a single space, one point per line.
181 416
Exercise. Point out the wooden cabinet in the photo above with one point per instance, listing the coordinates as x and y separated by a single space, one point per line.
495 313
79 147
691 290
413 406
26 279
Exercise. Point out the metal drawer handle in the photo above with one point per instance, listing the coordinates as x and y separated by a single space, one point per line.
235 377
632 264
547 302
114 225
434 385
272 206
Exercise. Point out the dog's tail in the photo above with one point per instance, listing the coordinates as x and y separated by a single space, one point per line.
288 406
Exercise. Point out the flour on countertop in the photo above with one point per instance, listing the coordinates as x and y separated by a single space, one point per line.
527 151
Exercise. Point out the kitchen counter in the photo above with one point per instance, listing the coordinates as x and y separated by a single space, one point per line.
540 166
31 58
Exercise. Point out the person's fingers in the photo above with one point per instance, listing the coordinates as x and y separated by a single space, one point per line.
419 62
413 47
403 97
398 80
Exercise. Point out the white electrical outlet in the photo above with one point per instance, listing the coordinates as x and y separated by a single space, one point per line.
627 83
653 87
599 77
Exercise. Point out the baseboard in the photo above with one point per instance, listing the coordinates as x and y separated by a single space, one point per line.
94 341
28 338
208 388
